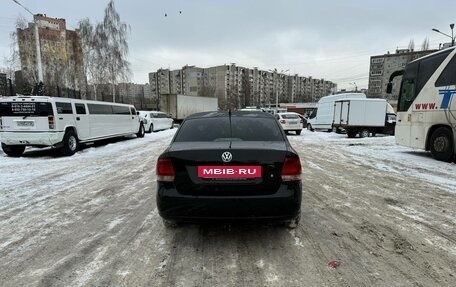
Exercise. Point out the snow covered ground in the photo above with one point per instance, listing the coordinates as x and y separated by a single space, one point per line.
386 212
381 152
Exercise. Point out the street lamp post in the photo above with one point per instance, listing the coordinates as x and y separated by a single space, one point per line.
452 37
277 86
39 67
354 84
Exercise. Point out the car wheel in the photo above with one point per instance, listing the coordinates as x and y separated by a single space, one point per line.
141 131
364 133
151 128
70 143
298 132
442 144
13 150
293 222
309 127
351 134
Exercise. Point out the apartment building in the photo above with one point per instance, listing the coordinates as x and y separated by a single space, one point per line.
382 66
236 86
61 55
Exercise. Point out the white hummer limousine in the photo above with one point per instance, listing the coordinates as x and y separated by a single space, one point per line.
63 123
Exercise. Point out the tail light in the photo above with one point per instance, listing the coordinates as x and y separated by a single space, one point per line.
51 122
283 121
165 170
291 170
301 121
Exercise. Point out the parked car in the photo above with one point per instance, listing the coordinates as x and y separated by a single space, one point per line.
303 118
62 123
229 166
155 121
290 121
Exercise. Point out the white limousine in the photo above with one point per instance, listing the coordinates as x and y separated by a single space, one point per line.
62 123
155 121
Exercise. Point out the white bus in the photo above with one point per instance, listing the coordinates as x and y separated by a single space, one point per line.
426 111
322 117
62 123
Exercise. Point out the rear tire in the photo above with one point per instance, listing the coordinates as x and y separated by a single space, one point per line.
70 143
151 128
298 132
364 133
351 134
309 127
13 150
141 131
442 145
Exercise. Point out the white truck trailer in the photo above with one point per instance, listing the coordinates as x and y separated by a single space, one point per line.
365 117
180 106
323 116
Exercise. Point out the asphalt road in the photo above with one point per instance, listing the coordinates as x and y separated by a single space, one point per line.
91 220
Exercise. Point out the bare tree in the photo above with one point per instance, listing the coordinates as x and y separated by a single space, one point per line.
94 63
105 50
411 45
115 44
12 62
27 47
425 45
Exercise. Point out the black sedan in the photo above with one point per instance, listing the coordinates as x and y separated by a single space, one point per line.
229 166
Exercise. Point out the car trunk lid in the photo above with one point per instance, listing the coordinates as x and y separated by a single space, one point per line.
188 156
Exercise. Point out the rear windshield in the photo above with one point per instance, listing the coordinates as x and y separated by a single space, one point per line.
21 109
290 116
218 129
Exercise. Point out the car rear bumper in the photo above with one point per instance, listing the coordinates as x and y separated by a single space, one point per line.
292 127
31 138
282 205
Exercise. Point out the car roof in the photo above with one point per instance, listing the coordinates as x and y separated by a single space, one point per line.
220 114
290 113
155 112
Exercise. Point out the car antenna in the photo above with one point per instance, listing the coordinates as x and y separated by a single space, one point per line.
231 130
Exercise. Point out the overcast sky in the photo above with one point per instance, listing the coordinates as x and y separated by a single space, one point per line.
323 39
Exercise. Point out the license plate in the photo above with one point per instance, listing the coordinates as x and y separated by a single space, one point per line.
25 124
293 123
229 172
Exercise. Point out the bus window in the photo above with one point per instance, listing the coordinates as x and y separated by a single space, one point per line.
407 95
448 76
427 68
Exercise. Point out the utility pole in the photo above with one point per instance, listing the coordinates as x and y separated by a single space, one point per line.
37 43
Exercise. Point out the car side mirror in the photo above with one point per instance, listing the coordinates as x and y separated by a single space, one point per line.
389 88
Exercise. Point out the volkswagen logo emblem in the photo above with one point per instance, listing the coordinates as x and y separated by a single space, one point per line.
227 156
